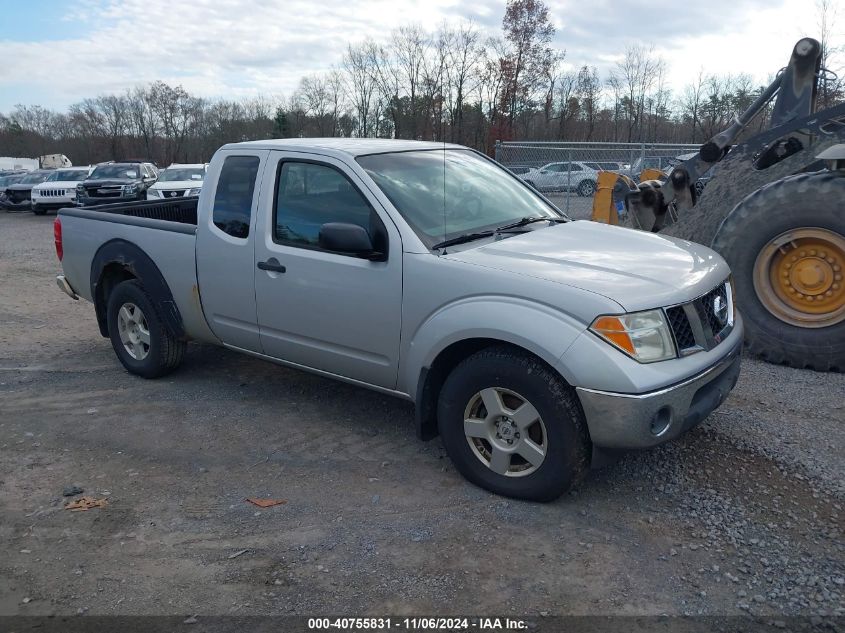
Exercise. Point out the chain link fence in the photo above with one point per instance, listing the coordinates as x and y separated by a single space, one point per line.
567 172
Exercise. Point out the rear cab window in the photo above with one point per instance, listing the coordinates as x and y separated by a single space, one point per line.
232 210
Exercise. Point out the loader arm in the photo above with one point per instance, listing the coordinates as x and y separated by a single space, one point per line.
655 204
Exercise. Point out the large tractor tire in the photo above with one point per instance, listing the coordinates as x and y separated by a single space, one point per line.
785 244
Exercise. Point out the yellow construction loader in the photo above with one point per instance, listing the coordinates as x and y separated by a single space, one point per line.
772 205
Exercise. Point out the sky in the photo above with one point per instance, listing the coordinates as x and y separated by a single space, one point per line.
56 52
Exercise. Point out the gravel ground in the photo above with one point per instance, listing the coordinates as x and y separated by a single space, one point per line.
744 515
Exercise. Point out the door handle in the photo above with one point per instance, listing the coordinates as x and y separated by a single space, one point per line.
271 265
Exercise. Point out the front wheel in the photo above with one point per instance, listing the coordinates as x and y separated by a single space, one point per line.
511 425
138 334
586 188
38 211
785 244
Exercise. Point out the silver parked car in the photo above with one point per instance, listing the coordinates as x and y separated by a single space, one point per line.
564 176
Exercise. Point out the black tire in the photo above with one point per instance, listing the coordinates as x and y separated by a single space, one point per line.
803 201
586 188
37 211
567 447
165 351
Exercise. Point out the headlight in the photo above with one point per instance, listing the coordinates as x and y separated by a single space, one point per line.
130 189
153 193
195 191
644 336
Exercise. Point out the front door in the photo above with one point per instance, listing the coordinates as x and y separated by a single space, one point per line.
325 310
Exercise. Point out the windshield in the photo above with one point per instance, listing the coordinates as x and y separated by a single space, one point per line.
34 178
172 174
121 172
477 194
14 179
69 175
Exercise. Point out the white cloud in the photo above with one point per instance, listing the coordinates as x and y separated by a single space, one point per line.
233 48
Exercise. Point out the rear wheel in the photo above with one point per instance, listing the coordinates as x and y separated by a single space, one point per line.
786 247
513 426
138 334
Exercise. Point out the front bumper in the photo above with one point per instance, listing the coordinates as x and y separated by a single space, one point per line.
630 421
86 201
52 204
26 205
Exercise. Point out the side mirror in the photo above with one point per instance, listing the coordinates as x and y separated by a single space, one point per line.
351 239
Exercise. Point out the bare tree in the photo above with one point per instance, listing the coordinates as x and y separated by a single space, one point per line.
637 72
313 95
832 84
362 83
588 90
691 104
568 106
463 61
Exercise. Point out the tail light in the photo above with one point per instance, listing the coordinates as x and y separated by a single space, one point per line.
57 237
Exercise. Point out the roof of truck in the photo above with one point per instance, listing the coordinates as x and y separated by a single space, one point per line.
349 146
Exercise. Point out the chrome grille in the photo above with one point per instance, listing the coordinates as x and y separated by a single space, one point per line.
717 296
678 321
702 323
105 191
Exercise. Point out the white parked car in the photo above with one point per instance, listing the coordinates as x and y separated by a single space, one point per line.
178 181
564 176
59 190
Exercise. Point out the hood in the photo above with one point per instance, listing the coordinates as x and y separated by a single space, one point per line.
636 269
57 184
89 184
20 187
177 184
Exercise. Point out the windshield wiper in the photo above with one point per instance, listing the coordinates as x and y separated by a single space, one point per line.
470 237
529 220
463 239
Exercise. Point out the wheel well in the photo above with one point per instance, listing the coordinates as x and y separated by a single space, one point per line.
112 275
119 260
432 378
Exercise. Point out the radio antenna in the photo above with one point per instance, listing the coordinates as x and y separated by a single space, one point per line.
443 139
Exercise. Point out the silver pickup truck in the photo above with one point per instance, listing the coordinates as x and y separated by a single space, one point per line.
533 345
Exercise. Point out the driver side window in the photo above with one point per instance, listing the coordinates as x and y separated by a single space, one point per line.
309 195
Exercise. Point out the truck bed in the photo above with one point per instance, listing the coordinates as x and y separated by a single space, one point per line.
164 230
182 210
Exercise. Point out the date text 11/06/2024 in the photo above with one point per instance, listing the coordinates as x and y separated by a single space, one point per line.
417 624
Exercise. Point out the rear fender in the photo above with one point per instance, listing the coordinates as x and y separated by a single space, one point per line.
117 260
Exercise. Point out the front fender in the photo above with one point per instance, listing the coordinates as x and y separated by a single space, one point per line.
537 328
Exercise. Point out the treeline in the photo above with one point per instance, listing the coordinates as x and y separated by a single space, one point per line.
452 84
